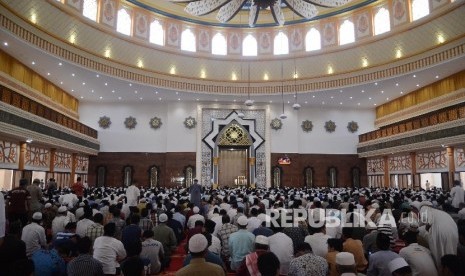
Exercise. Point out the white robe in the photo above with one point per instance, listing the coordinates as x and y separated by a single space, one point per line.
457 194
443 236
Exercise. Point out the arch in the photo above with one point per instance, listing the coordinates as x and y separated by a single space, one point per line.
382 21
89 9
219 45
332 177
281 44
157 33
249 46
355 173
128 173
234 134
276 176
154 176
312 40
346 32
188 41
101 176
420 8
124 22
189 175
308 177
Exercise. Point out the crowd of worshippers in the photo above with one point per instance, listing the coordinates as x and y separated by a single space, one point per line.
134 231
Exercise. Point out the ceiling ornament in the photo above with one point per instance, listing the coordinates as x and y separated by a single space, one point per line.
352 126
330 126
190 122
227 9
155 123
130 122
104 122
276 124
307 126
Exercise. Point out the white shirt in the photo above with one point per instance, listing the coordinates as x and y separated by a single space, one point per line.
2 216
218 220
281 245
82 225
253 224
193 219
58 224
215 247
420 260
69 200
151 250
457 194
34 237
107 250
132 194
319 243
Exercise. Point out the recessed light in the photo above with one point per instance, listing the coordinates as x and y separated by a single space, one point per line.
179 99
350 98
59 64
130 84
5 43
119 98
376 83
83 83
72 90
98 76
322 102
340 103
387 99
401 92
234 100
369 99
156 92
33 63
82 97
306 102
159 99
288 102
48 74
112 91
141 98
374 104
363 91
414 76
101 97
313 96
382 91
61 82
340 91
106 84
135 91
92 91
177 93
358 103
73 74
332 97
295 96
397 84
437 76
418 85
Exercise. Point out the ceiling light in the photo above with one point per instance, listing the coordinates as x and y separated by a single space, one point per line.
179 99
306 102
369 99
92 91
313 96
101 97
196 99
130 84
159 99
83 83
418 85
61 82
60 64
106 84
358 103
437 76
240 114
271 101
340 103
350 98
322 102
296 106
332 97
283 116
82 97
376 83
33 63
363 91
387 99
98 76
330 70
119 98
441 38
374 104
73 74
141 98
414 76
398 53
29 140
112 91
228 9
401 92
48 74
382 91
156 92
397 84
72 90
135 91
5 43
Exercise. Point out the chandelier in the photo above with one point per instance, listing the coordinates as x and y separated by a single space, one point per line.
227 9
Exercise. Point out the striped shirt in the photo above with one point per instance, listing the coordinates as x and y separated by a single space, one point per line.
94 231
84 265
226 230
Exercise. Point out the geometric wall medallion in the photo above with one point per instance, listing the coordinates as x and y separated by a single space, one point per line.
190 122
104 122
330 126
276 124
352 126
155 122
307 126
130 122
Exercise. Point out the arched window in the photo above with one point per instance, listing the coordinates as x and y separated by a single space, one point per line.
313 40
123 24
420 8
281 44
188 41
249 46
382 21
89 9
157 34
219 46
346 32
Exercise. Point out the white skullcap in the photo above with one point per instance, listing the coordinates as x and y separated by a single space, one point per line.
195 210
82 204
142 200
62 209
262 240
345 258
242 220
416 204
316 199
197 243
262 217
37 216
48 205
396 264
163 218
375 206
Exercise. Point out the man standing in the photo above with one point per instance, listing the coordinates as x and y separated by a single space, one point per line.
132 195
18 202
78 188
195 191
457 195
36 195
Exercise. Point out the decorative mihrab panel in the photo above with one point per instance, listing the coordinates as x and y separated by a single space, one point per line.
432 161
63 161
375 166
260 153
400 164
8 152
37 157
82 163
460 159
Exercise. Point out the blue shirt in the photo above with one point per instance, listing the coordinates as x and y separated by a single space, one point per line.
240 243
263 231
130 234
48 263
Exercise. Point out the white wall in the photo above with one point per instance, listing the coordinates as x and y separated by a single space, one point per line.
174 137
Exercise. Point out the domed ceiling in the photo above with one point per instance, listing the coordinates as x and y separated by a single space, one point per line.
253 13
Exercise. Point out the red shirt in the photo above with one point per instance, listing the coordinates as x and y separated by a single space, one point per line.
18 198
78 189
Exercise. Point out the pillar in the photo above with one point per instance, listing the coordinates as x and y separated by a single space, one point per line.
386 172
450 156
22 155
413 158
51 168
73 168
